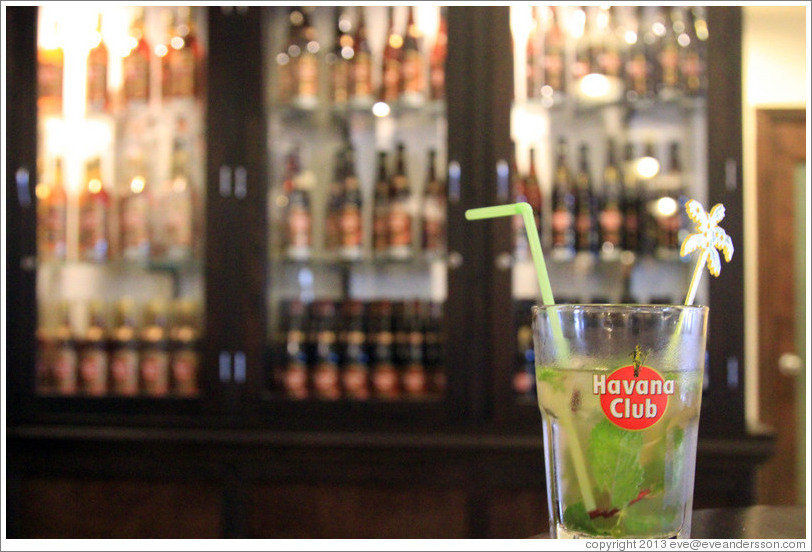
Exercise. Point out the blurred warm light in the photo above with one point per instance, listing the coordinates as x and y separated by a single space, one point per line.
630 36
381 109
595 85
667 206
161 50
647 167
577 23
138 184
94 186
179 184
177 42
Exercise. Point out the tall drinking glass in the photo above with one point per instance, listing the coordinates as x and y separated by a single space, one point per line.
619 387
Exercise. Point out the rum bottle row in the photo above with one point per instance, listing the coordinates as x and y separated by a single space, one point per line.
633 205
407 73
403 219
359 351
124 349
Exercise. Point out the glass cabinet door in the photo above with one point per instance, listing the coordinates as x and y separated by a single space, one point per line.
609 129
121 185
356 205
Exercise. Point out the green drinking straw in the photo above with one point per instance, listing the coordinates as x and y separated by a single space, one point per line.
526 212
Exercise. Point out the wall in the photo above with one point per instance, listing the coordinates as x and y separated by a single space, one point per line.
775 75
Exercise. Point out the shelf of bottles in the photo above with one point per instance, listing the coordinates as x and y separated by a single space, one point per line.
357 203
120 188
609 131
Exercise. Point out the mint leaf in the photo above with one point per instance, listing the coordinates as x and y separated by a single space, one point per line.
614 455
550 376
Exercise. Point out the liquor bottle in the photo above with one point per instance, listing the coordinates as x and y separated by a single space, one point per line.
648 221
414 64
553 81
669 210
298 216
94 210
609 57
134 211
351 229
532 55
182 65
335 203
355 377
533 190
521 247
524 380
154 359
50 73
632 202
611 206
184 337
380 229
94 352
667 55
401 209
563 199
135 64
339 60
178 199
586 223
326 370
97 59
306 76
434 210
52 209
64 367
124 357
385 384
295 377
414 376
585 49
694 56
392 62
437 59
639 66
433 347
288 57
362 94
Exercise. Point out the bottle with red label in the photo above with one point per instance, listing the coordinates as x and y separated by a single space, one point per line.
361 71
414 376
64 359
586 206
339 59
414 66
124 356
52 212
434 210
437 58
94 214
306 74
401 209
154 358
392 62
135 65
298 214
355 373
184 336
94 352
326 372
292 375
563 200
50 73
97 60
385 380
610 217
350 227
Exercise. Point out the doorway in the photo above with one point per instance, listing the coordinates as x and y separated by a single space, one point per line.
781 198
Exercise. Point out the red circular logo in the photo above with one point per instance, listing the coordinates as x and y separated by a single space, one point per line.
633 401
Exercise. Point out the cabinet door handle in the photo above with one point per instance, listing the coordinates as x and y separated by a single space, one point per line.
731 176
454 173
502 180
225 367
239 367
240 182
23 187
225 181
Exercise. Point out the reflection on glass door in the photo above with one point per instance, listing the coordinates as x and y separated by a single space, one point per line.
610 140
357 203
121 184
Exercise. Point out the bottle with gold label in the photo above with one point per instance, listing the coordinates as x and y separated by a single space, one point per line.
134 210
94 211
184 338
414 64
351 228
97 60
50 72
94 352
326 373
354 353
52 211
135 63
437 59
154 360
307 65
361 83
64 362
292 377
124 356
401 209
182 64
392 62
385 381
